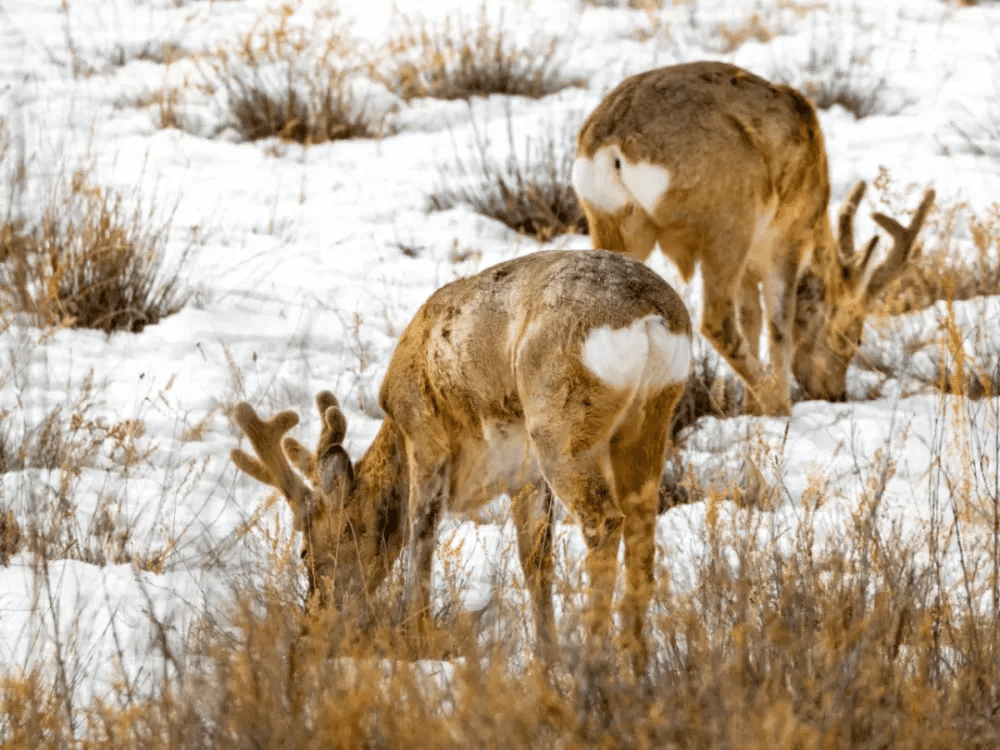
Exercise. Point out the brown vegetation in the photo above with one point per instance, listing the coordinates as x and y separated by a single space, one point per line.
529 191
458 62
90 261
856 642
283 83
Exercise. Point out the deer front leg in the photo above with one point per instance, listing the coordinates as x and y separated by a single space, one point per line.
532 509
720 326
750 325
428 486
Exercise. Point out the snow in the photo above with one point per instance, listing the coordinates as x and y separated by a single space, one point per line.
300 284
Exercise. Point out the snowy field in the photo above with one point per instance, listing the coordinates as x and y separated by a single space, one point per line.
304 264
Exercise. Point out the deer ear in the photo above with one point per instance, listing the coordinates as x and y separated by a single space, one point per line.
334 427
336 474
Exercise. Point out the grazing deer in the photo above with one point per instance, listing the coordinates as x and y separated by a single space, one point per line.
723 168
556 372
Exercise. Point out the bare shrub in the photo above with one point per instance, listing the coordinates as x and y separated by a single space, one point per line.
305 107
829 78
11 537
91 261
530 191
711 391
458 62
278 84
750 28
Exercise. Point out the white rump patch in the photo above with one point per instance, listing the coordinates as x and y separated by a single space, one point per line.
669 354
598 182
646 353
610 188
647 182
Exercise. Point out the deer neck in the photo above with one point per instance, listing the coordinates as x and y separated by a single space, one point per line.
383 486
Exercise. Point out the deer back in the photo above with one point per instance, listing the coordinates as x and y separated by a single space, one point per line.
457 364
708 151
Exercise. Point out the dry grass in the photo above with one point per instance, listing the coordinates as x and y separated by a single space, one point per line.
829 78
712 390
459 62
958 258
282 83
91 261
57 451
751 28
11 536
944 268
856 642
530 191
646 5
941 272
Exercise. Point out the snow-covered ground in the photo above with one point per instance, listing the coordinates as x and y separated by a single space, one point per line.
300 281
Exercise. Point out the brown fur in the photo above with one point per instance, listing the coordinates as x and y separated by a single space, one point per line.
497 356
737 147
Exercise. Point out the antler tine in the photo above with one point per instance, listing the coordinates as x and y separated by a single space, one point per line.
271 466
333 431
845 223
903 243
334 422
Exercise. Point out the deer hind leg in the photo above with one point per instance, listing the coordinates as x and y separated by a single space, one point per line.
637 459
779 298
533 517
602 567
719 324
750 325
628 230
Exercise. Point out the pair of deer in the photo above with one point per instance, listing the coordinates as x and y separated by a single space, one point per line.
558 372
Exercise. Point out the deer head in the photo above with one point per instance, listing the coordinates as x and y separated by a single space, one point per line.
836 292
340 556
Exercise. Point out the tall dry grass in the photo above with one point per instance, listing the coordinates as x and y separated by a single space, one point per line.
782 636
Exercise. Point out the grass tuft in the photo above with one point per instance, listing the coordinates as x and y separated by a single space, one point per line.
828 79
709 392
946 268
91 261
278 85
751 28
458 62
57 517
530 190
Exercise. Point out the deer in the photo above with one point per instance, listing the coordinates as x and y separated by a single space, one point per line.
554 374
726 170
